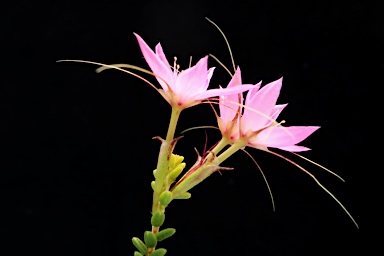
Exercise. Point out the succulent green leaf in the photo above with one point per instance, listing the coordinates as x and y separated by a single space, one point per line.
159 252
165 233
139 245
150 239
157 219
165 198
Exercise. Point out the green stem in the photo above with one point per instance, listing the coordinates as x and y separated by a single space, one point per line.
172 123
222 143
162 166
163 159
230 151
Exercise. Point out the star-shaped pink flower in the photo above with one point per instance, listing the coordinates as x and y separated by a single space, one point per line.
184 88
255 121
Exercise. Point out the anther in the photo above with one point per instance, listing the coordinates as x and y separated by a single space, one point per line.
175 66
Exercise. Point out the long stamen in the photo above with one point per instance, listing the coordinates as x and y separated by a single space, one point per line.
318 183
313 162
104 67
225 38
214 110
198 127
116 66
119 67
265 178
216 59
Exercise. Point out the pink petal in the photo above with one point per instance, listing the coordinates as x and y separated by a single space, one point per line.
226 91
278 136
295 148
277 110
192 80
159 52
252 93
228 109
162 71
260 106
208 79
236 79
275 113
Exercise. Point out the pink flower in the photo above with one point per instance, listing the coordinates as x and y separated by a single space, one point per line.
183 88
229 111
256 125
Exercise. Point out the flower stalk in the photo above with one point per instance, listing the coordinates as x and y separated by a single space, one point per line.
165 152
230 151
220 146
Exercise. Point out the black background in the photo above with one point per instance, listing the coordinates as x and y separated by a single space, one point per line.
79 156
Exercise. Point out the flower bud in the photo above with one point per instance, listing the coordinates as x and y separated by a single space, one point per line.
174 161
176 172
153 185
185 195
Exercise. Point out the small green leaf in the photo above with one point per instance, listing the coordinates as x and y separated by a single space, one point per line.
165 198
165 233
157 219
185 195
137 254
154 173
139 245
150 239
159 252
153 185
